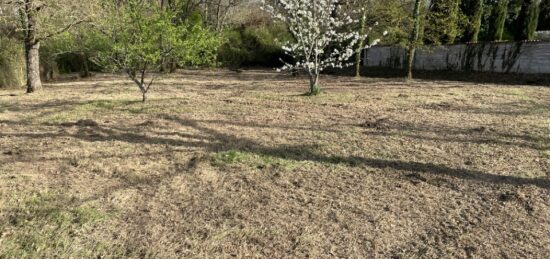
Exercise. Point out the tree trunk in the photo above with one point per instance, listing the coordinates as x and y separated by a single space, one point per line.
32 45
85 67
140 82
32 58
478 17
218 14
162 65
143 90
415 35
144 96
362 28
314 88
410 62
358 62
173 66
206 12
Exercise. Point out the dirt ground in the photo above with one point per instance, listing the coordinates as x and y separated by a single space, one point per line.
224 164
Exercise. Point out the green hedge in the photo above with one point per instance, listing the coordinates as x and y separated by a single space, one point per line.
12 63
258 45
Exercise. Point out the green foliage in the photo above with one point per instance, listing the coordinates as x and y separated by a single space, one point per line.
53 48
64 42
12 63
392 16
144 34
544 17
524 16
445 22
74 50
255 45
531 19
136 29
315 90
473 11
233 53
51 16
230 157
498 20
196 46
477 18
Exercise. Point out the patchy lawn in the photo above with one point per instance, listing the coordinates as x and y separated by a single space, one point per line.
221 164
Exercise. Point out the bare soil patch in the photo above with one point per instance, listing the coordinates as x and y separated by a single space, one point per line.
224 164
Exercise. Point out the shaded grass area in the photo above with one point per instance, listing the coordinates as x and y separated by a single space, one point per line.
221 164
43 223
461 76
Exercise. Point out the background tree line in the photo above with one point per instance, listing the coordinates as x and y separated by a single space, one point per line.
41 38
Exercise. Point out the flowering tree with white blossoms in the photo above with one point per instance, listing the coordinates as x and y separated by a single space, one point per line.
319 30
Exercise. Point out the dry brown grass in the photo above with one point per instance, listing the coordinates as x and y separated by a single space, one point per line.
219 164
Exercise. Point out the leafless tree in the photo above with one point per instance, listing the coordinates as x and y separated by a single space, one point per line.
217 12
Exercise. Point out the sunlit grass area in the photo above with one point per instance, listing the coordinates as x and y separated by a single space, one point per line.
218 163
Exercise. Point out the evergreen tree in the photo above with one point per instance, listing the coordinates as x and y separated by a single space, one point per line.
477 19
528 19
544 17
498 21
443 22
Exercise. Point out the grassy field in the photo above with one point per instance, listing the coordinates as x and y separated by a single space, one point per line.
220 164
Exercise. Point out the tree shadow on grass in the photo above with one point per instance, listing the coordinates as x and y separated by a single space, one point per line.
304 153
515 108
459 76
477 135
213 140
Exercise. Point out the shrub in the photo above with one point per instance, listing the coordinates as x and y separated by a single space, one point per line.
12 63
255 45
72 52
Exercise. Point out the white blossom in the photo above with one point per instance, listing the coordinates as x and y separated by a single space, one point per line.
319 28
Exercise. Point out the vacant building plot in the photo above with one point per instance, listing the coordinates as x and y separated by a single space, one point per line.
219 164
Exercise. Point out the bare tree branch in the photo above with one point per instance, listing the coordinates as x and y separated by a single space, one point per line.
62 30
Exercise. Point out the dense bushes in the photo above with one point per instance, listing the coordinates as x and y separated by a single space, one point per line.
250 45
12 63
72 52
255 45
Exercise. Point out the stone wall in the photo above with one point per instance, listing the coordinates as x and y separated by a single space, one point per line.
504 57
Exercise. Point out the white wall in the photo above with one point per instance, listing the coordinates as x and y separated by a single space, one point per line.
514 57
